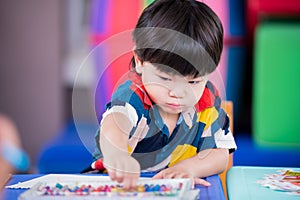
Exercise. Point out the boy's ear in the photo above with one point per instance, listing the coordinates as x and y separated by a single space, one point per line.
138 62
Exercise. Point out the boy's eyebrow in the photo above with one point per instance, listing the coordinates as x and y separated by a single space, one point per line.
196 78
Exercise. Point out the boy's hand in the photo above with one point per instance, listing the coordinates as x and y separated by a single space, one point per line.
123 169
176 173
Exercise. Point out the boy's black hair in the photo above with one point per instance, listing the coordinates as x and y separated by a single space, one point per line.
185 35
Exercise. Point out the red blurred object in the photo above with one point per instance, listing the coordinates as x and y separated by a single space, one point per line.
98 164
259 9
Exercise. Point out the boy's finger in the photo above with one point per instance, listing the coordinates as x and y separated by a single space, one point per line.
126 184
119 176
159 175
112 174
201 182
170 174
129 183
183 175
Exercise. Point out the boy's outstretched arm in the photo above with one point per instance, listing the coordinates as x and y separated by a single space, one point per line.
206 163
115 129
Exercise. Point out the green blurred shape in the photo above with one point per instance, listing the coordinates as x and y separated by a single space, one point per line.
147 2
276 94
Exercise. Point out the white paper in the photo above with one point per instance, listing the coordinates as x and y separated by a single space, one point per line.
62 178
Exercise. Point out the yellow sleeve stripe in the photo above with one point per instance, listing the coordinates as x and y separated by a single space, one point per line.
208 116
182 152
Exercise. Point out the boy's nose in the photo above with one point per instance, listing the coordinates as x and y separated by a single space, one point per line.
177 92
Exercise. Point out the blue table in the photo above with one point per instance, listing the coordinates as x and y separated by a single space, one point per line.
213 192
242 184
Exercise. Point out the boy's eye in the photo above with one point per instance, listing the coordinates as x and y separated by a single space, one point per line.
164 78
194 82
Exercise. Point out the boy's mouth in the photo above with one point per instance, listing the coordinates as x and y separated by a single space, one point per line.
174 106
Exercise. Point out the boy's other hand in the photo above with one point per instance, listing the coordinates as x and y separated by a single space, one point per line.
175 173
123 169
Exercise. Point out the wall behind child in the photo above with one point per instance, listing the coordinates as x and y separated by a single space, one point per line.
30 72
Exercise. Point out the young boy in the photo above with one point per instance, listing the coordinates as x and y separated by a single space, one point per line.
166 117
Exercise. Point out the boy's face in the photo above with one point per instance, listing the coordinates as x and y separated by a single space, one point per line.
172 93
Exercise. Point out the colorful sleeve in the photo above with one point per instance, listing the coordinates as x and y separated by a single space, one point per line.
216 132
127 101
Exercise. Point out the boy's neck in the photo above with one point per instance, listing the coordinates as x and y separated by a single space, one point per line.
170 120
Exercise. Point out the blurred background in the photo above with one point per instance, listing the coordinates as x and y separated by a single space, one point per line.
44 44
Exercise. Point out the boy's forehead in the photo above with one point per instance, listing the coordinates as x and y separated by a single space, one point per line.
173 72
165 69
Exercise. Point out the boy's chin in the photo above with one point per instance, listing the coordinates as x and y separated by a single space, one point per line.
172 111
